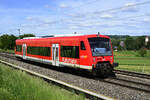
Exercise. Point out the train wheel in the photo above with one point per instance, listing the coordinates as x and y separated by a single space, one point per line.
103 70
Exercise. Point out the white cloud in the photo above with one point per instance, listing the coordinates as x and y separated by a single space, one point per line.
41 19
63 5
73 27
146 19
76 15
29 18
106 16
129 4
47 6
129 7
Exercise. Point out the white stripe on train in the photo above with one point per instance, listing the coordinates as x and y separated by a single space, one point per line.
61 63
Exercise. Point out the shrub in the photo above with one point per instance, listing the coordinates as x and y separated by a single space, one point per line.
142 52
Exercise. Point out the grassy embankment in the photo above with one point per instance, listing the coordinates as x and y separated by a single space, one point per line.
9 51
129 60
17 85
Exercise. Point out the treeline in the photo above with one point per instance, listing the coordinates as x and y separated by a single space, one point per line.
130 43
8 41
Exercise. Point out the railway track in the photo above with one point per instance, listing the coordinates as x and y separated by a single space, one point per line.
123 72
135 74
116 87
140 86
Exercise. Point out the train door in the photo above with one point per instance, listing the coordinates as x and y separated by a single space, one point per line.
55 54
24 51
83 54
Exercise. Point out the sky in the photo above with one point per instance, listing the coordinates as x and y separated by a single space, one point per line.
49 17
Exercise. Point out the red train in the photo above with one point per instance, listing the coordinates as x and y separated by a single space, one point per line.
90 52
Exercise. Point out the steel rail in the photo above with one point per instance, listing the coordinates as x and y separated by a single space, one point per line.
131 73
88 94
127 84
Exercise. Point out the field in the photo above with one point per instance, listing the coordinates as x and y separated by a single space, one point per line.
129 60
17 85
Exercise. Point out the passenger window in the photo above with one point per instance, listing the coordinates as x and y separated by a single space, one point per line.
70 51
82 46
19 48
42 51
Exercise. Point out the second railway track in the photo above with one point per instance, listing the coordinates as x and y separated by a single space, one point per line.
121 87
134 74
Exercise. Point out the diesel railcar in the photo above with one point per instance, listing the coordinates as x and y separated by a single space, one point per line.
89 52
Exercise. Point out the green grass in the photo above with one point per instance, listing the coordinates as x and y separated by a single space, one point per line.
129 60
9 51
17 85
133 61
141 69
124 53
129 54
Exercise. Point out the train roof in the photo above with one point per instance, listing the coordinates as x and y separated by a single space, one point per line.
65 35
59 35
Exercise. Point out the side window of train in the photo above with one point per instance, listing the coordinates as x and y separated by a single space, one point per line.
70 51
42 51
19 48
82 46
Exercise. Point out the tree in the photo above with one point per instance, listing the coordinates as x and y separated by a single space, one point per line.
4 39
115 42
140 42
12 39
26 35
130 43
7 41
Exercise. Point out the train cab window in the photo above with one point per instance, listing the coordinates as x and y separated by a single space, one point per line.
82 46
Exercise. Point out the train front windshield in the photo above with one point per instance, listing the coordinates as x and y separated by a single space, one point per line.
100 46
